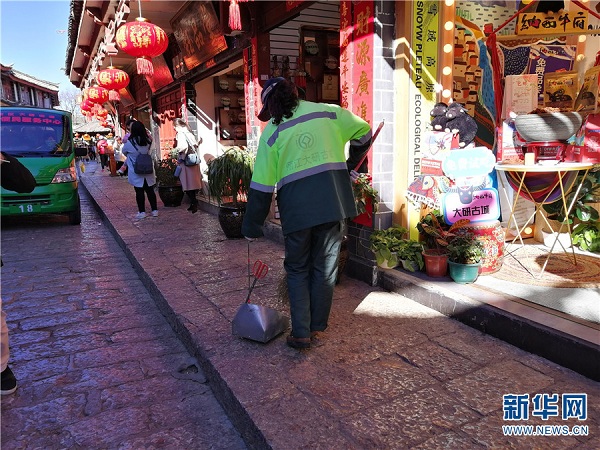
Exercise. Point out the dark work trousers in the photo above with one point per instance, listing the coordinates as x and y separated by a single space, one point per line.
103 160
141 200
311 264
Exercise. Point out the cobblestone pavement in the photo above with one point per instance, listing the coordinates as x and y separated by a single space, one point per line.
98 365
389 373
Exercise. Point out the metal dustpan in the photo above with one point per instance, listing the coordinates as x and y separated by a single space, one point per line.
256 322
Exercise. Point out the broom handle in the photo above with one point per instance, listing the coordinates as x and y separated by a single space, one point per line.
371 145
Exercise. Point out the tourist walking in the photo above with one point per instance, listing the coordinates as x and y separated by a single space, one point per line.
190 176
301 154
102 149
138 143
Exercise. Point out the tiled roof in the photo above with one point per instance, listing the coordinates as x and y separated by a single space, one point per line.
29 79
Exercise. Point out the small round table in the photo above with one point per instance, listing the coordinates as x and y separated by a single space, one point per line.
542 184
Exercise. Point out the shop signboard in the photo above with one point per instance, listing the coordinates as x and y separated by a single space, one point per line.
562 22
198 33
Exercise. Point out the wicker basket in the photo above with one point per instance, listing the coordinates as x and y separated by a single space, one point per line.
558 126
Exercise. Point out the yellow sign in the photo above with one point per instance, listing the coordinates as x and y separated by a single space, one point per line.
563 22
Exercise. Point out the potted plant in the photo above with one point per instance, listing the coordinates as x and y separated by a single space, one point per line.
438 235
587 236
410 254
465 253
385 244
229 177
583 215
169 186
366 198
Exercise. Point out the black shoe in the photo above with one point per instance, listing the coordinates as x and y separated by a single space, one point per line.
298 343
194 209
9 382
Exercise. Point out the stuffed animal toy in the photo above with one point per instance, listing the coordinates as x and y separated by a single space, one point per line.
460 121
438 117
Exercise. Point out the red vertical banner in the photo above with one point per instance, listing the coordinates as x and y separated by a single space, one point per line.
346 33
362 61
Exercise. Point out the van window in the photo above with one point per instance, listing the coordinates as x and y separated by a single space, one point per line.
27 133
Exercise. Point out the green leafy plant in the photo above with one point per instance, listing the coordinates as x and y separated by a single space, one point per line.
385 244
587 236
364 193
465 249
438 232
165 170
411 251
585 217
230 174
582 210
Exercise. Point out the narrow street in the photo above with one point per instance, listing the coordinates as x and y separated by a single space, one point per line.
97 364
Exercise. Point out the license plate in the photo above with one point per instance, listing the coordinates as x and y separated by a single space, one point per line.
26 208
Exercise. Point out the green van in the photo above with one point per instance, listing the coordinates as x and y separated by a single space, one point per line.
42 139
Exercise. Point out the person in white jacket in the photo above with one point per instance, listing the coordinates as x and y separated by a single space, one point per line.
190 176
137 143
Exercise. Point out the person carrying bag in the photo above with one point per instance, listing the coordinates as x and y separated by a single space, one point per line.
190 162
139 174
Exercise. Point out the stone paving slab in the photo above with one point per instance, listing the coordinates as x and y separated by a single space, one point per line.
388 373
98 366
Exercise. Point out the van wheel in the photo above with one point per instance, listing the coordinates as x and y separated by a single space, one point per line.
75 216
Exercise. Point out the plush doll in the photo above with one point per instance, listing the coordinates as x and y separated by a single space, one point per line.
460 121
438 117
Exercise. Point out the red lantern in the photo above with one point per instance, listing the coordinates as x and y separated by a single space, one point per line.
85 106
113 80
143 40
102 114
97 94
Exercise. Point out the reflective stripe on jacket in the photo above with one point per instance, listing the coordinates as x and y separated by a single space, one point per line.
303 157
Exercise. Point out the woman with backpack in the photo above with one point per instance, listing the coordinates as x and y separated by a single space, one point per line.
143 183
189 161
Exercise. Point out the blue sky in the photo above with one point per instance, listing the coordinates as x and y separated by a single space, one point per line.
30 38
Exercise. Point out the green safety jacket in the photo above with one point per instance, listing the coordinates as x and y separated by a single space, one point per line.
303 158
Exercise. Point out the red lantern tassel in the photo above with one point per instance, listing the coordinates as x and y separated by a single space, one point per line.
114 96
144 66
235 21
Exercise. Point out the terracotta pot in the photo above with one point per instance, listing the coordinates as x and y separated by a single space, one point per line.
436 262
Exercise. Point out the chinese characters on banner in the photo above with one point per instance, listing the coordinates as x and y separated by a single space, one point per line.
554 23
423 67
356 58
346 47
471 196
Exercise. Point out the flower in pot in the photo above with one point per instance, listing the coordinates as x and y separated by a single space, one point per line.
169 186
165 171
366 198
229 177
385 244
465 253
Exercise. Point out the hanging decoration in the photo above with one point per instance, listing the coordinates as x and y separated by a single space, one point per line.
113 79
97 94
235 20
143 40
